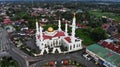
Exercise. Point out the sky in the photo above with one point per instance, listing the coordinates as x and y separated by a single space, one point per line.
62 0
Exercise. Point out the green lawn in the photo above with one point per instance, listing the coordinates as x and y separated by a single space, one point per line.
99 14
87 40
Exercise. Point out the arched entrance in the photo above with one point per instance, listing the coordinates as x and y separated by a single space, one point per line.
46 51
56 50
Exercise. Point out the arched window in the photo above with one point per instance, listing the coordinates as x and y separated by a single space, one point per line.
59 43
74 46
77 45
56 42
51 45
70 47
45 45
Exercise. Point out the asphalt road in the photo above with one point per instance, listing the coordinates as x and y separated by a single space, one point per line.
24 60
3 43
76 56
7 50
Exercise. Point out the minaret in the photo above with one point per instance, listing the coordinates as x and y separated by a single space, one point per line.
41 35
66 29
37 29
37 33
73 28
59 25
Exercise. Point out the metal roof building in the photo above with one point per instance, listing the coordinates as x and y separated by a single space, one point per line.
109 57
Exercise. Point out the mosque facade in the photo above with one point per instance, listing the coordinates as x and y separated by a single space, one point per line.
56 38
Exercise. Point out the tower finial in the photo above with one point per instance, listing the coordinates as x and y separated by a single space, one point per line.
36 20
59 24
59 17
74 14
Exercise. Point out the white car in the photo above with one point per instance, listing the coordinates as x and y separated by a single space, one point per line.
87 56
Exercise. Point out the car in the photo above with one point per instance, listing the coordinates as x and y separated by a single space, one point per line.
87 56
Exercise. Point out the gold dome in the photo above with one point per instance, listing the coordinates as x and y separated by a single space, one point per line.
50 29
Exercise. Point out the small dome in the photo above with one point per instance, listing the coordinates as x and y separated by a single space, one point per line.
50 29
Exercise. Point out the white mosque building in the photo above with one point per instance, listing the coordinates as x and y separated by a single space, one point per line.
55 38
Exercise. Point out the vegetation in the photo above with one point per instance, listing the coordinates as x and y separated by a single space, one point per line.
99 14
98 34
8 62
118 29
84 34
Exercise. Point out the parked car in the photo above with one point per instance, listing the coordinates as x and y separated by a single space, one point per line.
87 56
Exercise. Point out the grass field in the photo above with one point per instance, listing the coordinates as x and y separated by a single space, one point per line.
87 40
99 14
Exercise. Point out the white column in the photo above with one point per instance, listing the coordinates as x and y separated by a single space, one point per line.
37 32
73 47
59 25
80 43
47 50
66 29
41 35
69 47
57 42
37 29
73 29
50 44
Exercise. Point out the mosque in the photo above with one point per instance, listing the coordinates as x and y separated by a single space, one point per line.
56 38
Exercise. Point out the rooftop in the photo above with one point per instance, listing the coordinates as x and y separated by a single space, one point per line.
58 34
106 54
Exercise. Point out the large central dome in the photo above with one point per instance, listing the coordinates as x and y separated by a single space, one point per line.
50 29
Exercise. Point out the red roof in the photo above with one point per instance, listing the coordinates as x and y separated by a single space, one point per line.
51 63
68 39
80 25
111 46
116 48
58 34
65 62
105 26
117 37
7 21
38 36
105 43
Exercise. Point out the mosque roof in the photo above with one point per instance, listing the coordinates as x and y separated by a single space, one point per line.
58 34
68 39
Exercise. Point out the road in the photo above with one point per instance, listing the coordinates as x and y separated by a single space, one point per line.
7 48
3 43
76 56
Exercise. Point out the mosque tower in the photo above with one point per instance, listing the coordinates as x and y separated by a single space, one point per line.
59 25
66 29
41 35
37 29
73 28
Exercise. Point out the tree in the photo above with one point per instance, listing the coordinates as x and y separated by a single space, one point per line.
118 27
8 62
98 34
